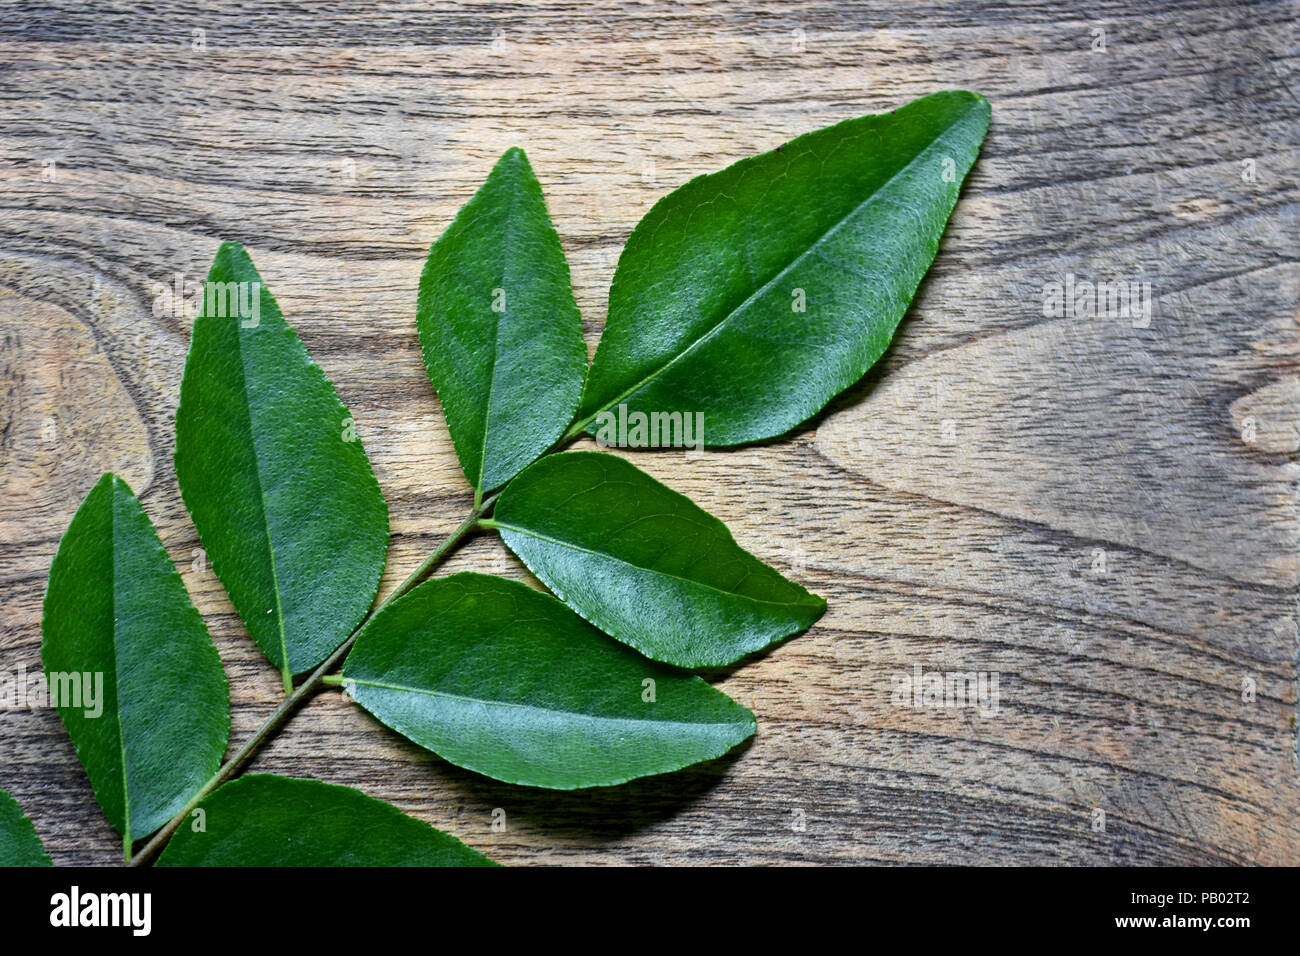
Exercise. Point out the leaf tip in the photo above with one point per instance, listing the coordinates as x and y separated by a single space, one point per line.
109 479
749 727
232 255
110 485
979 101
514 160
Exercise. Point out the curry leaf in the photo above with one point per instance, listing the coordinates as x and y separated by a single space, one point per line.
646 564
130 666
755 294
272 471
19 844
500 331
267 820
506 681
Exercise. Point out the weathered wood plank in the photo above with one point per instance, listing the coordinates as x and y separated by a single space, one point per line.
1100 510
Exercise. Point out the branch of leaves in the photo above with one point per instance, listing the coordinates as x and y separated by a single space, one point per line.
747 298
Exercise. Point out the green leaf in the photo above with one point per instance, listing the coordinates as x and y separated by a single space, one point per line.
646 564
138 683
266 820
704 309
500 331
274 476
508 682
19 844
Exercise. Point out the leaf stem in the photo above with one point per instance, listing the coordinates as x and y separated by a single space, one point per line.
575 431
307 688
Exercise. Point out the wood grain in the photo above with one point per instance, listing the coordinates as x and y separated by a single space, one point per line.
1101 511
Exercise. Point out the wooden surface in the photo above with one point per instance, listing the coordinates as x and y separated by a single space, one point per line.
1103 515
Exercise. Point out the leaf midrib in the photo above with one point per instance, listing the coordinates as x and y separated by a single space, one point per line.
712 331
534 707
252 434
676 577
117 669
506 243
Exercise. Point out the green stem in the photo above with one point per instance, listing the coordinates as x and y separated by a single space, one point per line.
308 687
575 431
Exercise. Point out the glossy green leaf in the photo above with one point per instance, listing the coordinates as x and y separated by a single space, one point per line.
506 681
130 665
500 331
19 844
755 294
645 563
272 471
266 820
